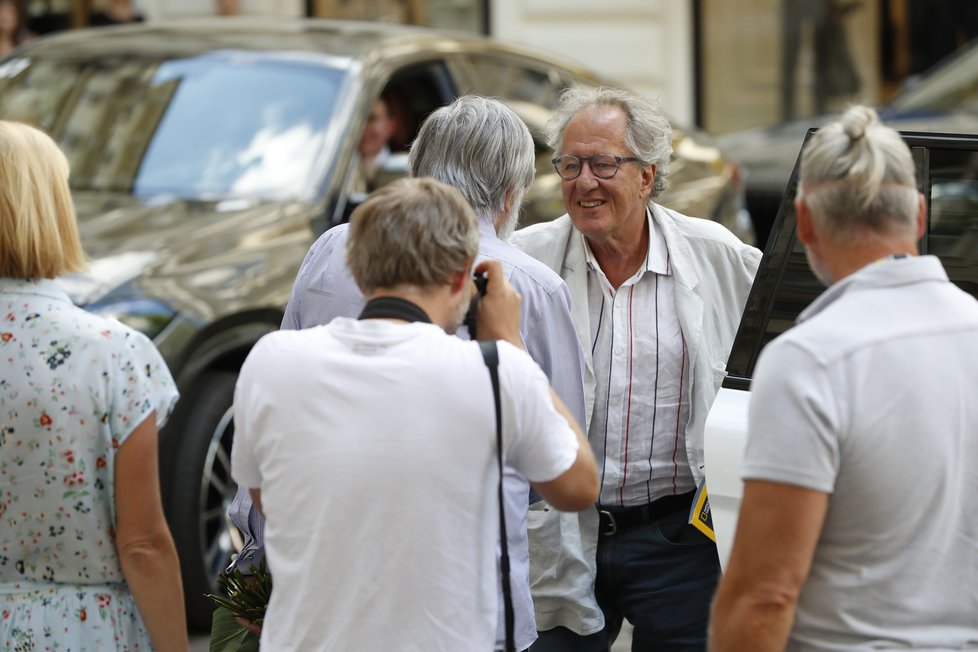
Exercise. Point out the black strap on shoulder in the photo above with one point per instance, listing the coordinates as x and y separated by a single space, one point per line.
393 308
490 353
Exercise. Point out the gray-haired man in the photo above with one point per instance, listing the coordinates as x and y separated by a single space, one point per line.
483 149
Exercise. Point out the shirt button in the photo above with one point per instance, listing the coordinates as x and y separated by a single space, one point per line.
619 352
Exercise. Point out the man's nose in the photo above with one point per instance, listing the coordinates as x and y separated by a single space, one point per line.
586 179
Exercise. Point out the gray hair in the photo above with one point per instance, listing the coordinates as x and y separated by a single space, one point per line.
414 232
479 146
648 134
856 172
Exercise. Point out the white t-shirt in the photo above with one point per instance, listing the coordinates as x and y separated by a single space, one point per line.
373 444
872 399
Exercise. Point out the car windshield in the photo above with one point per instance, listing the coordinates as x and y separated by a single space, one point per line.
220 125
952 88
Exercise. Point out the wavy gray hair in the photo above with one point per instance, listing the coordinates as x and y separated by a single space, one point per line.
479 146
648 134
857 172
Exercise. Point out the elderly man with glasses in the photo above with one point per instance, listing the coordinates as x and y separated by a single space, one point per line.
656 300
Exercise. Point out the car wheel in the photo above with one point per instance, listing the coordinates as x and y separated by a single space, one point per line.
201 489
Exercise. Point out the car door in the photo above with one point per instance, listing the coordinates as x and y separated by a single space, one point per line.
947 175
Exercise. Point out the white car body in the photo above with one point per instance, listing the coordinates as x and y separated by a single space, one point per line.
725 440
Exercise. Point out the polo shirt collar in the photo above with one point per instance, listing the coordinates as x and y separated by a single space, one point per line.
885 273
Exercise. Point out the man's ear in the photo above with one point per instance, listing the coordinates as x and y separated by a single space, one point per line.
803 225
921 216
460 279
507 208
648 179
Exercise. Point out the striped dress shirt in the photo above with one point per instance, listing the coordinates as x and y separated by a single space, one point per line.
641 370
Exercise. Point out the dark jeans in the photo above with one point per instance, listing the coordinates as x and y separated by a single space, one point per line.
661 577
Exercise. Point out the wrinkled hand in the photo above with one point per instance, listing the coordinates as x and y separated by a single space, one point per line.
499 308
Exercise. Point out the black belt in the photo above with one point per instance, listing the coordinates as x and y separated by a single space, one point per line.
616 519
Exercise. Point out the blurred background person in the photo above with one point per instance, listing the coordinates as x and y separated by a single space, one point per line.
86 559
114 12
374 145
227 7
834 71
12 30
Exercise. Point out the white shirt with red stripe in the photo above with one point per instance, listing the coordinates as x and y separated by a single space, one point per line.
641 369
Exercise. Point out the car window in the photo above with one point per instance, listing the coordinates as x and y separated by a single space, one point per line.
513 81
952 231
412 93
213 126
947 174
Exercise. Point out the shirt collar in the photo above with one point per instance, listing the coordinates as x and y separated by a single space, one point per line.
656 258
44 287
885 273
486 229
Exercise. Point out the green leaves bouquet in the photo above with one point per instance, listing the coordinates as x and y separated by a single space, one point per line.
245 596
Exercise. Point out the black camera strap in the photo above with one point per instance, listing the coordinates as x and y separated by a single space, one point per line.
491 355
393 308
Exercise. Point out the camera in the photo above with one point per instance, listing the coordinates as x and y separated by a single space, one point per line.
471 317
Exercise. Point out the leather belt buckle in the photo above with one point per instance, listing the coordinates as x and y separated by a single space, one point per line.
608 524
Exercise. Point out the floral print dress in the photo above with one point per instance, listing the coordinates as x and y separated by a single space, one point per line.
73 387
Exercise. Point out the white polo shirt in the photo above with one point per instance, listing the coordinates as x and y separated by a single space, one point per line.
871 398
374 444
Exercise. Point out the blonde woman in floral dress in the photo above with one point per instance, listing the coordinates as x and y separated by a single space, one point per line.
87 562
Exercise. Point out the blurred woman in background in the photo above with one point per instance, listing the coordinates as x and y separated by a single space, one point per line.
12 30
86 559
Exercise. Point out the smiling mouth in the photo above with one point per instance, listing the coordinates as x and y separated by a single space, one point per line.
590 204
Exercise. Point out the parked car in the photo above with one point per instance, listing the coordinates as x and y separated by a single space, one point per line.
206 158
947 175
944 100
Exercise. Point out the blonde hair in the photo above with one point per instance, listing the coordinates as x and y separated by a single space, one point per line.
412 232
38 231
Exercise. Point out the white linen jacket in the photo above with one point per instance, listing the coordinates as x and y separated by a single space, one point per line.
713 272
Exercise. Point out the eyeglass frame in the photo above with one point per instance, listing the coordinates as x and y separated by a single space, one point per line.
618 161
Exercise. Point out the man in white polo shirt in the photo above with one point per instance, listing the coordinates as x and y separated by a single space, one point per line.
858 526
370 444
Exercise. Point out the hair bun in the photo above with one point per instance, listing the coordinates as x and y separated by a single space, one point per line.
856 120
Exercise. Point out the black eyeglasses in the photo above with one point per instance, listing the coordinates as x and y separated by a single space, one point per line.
603 166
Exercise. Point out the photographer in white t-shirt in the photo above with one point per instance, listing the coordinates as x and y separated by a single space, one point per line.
370 444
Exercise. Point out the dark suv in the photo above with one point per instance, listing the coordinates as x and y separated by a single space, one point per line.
947 175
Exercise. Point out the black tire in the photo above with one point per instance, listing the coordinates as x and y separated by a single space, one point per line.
199 489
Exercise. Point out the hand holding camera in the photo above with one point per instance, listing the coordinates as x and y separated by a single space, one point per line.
497 312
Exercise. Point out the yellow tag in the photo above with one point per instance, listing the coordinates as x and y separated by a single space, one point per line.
699 513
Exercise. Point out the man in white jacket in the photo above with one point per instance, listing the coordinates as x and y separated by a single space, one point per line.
656 300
